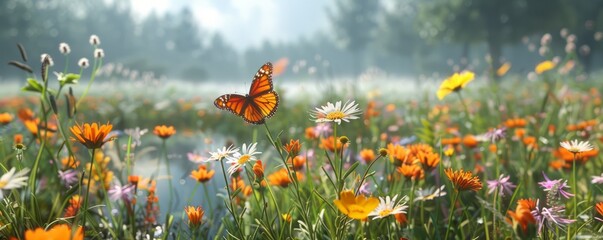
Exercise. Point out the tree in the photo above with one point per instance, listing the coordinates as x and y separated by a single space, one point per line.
496 22
354 23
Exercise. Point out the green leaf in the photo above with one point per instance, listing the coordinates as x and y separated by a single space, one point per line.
33 86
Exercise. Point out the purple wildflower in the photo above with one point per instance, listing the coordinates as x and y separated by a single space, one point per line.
322 129
560 184
597 179
68 177
494 134
195 157
121 192
365 189
502 184
550 216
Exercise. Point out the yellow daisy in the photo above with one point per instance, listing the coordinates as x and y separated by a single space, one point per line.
455 83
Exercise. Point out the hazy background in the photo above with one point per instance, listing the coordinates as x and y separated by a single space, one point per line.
230 39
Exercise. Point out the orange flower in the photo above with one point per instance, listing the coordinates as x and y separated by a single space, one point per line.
281 178
164 131
202 175
451 141
401 219
492 148
559 164
58 232
292 148
134 179
25 114
18 139
258 169
329 144
469 141
411 171
92 136
599 208
367 155
583 157
463 180
584 125
195 215
74 205
523 214
397 154
515 123
520 132
70 162
503 69
298 162
530 142
390 107
238 183
310 133
5 118
429 160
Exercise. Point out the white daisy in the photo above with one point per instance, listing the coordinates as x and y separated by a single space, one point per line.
222 153
577 147
430 193
12 180
336 113
389 206
239 159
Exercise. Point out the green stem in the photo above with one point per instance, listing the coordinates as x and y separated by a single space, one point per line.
464 105
169 175
88 187
366 173
209 205
232 209
95 68
451 215
575 188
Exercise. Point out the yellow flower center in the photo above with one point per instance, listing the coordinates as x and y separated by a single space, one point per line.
385 212
2 184
335 115
243 159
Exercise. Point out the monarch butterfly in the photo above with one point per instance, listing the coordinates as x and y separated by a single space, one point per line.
260 103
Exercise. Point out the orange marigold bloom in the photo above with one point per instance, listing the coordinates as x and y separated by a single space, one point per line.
281 178
397 154
429 160
530 142
164 131
292 148
520 132
401 219
70 162
411 171
202 175
451 141
25 114
599 209
5 118
463 180
492 148
258 169
559 164
195 216
470 141
74 205
515 123
584 125
310 133
298 162
523 213
568 156
134 179
58 232
92 136
18 139
329 144
367 155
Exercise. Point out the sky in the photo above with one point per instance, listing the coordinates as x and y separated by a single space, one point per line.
247 23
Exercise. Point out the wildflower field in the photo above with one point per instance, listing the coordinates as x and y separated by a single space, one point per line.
470 158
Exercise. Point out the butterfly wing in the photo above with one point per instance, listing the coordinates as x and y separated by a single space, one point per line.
234 103
261 102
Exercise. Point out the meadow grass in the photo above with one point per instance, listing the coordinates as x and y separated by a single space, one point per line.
484 161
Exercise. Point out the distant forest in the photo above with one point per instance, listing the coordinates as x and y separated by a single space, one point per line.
409 37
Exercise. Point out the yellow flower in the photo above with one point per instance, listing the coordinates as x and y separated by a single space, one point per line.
544 66
195 216
356 207
455 83
286 217
503 69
